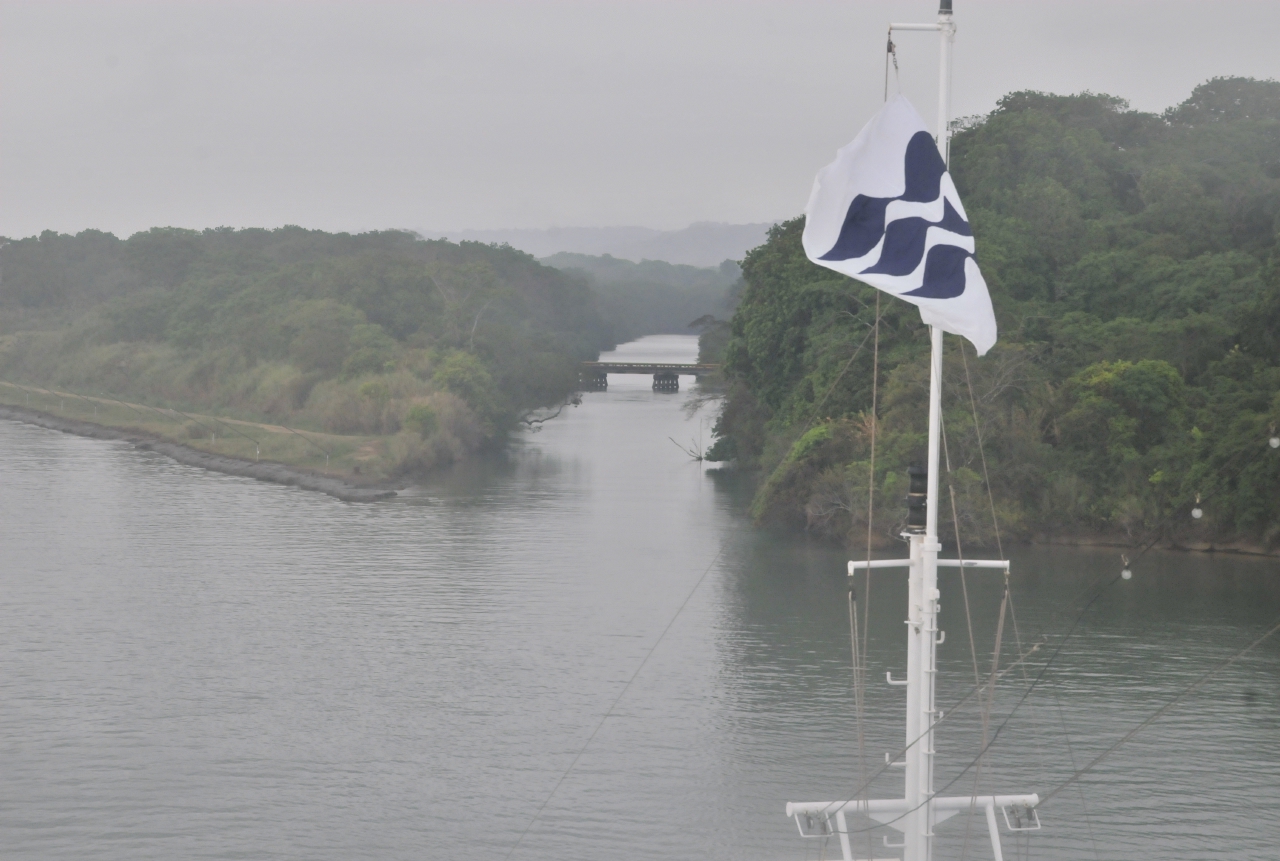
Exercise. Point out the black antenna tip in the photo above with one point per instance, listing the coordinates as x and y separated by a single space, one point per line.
944 7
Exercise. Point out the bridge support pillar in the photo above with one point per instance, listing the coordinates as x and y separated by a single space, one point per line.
593 381
666 382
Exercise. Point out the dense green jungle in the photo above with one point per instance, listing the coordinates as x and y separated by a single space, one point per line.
436 350
1134 265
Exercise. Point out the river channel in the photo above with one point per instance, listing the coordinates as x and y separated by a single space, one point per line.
199 666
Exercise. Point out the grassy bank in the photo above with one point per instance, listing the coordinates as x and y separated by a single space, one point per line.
356 458
391 354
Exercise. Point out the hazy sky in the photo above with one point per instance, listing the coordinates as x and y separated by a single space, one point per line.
361 115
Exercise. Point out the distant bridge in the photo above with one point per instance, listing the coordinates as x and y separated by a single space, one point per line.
594 376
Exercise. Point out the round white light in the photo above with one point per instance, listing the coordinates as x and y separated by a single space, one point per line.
1126 574
1275 442
1197 513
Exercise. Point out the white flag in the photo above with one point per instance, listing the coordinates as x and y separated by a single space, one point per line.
887 213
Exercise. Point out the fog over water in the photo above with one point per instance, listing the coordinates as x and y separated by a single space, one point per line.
201 666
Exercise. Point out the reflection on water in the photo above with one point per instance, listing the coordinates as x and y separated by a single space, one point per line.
202 666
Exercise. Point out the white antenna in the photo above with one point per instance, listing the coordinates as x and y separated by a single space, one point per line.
918 811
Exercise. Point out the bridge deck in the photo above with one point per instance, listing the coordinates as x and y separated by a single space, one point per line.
682 369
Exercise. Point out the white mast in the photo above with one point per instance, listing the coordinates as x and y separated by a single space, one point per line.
922 621
918 811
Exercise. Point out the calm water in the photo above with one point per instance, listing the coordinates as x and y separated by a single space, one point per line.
200 666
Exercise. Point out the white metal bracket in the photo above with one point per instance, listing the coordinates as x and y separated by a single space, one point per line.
1025 817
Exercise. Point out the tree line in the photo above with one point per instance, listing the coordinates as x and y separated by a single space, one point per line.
440 347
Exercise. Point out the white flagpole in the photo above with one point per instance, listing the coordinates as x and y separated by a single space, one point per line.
924 609
922 600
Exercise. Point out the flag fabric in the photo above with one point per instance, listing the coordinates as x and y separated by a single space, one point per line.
887 213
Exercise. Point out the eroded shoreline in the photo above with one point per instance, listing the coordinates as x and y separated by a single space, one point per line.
276 473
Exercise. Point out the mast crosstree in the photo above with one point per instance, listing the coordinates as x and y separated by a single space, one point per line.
919 810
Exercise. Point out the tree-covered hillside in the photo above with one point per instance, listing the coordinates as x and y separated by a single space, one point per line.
1134 266
441 347
653 297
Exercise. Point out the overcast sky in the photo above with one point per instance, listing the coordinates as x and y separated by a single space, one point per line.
448 115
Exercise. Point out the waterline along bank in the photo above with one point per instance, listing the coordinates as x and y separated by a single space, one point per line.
265 452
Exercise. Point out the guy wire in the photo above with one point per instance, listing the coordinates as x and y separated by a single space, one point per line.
986 717
977 430
617 699
996 735
1161 711
858 692
946 715
817 406
871 473
861 669
1097 760
964 585
984 704
1066 737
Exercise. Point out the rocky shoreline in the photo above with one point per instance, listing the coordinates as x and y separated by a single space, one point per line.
276 473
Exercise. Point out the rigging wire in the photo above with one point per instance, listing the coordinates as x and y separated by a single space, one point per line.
1200 682
995 524
1037 730
858 692
996 735
977 430
964 585
817 406
1084 803
946 715
616 701
986 718
871 472
1044 668
986 481
984 704
1066 737
1190 689
861 670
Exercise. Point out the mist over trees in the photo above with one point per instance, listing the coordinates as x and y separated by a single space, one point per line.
443 346
703 244
654 297
1135 270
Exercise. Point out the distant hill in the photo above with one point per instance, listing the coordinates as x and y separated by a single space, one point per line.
706 243
653 297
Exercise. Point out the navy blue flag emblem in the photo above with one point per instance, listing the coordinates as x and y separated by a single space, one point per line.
887 213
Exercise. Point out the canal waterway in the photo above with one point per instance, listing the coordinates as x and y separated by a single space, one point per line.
202 666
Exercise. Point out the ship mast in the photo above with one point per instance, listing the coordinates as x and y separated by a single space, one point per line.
919 810
922 620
